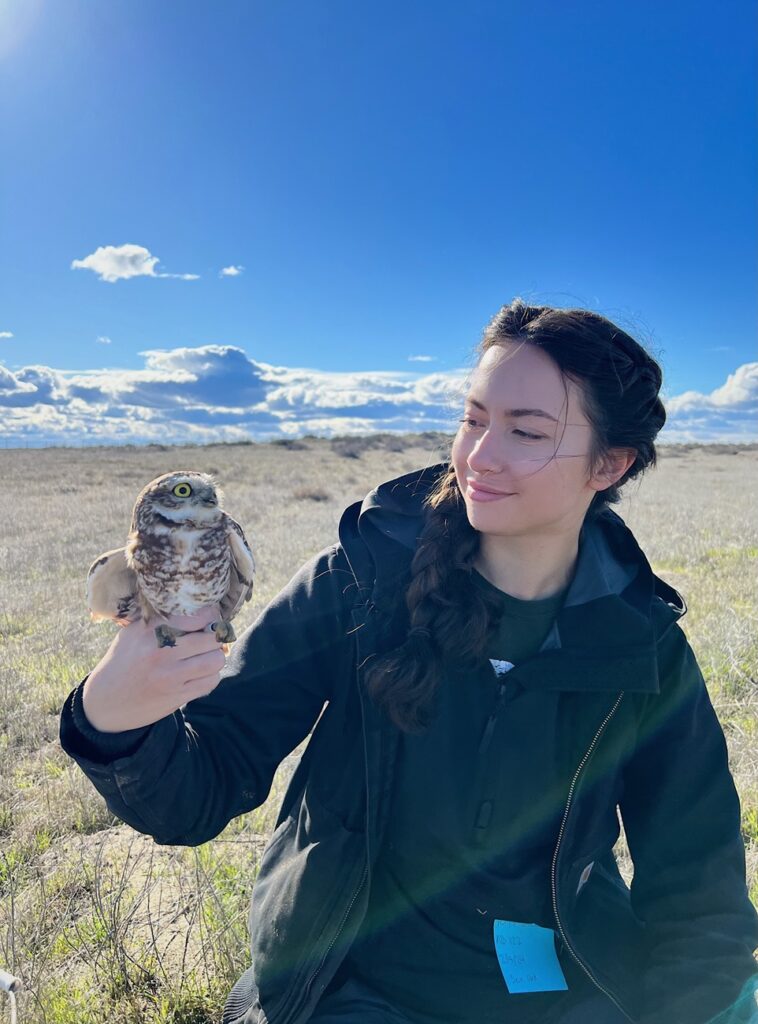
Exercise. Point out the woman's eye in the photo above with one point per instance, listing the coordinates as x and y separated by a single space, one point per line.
473 424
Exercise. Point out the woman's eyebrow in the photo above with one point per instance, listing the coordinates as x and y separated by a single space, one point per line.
515 412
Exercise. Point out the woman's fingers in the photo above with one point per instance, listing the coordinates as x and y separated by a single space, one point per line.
202 665
198 620
137 683
191 645
174 670
199 688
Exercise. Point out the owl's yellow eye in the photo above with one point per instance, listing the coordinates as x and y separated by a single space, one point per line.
182 490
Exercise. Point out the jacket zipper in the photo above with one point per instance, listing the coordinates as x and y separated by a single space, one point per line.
489 727
569 798
483 813
336 935
289 1015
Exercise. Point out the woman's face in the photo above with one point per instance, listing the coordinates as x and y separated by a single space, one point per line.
537 462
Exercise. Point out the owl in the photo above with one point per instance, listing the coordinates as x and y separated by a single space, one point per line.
182 553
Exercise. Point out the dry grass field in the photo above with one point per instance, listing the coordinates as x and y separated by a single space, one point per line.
104 925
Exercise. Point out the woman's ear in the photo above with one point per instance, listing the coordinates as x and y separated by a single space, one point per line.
612 467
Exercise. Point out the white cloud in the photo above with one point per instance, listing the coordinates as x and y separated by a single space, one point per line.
103 339
120 262
217 393
421 359
11 385
230 271
729 413
6 334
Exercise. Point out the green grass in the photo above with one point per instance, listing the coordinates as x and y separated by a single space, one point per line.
750 823
99 922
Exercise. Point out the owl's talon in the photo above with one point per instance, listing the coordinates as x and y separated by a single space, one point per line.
224 631
166 635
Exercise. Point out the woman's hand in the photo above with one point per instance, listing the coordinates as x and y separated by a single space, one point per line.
137 683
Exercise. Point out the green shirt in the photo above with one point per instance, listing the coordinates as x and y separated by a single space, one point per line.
474 819
524 624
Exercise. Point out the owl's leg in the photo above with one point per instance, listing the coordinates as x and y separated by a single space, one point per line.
224 631
166 635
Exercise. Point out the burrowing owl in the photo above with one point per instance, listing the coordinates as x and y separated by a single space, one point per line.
182 554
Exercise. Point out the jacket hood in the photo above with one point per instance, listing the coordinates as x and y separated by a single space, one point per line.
615 610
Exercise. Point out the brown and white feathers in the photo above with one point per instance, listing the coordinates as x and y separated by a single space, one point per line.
183 553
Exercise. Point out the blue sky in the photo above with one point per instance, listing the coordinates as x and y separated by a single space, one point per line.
382 177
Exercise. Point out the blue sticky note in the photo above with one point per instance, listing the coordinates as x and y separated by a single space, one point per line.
527 957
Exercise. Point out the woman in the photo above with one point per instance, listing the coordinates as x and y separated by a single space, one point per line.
501 671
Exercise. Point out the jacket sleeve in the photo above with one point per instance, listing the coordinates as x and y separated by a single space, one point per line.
681 814
182 779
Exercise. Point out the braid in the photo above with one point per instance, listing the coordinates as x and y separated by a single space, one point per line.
449 616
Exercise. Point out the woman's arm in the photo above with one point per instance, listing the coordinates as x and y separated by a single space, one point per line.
681 813
185 777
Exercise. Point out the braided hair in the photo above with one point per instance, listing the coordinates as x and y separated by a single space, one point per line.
449 616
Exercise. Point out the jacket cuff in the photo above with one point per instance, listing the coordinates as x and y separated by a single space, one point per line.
80 738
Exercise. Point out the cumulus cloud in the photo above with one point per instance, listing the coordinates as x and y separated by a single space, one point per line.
34 385
729 413
214 393
11 385
103 339
230 271
6 334
421 359
218 393
120 262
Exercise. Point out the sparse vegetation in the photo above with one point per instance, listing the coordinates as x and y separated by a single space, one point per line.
310 494
99 921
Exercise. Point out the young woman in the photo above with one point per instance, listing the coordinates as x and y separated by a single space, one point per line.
500 674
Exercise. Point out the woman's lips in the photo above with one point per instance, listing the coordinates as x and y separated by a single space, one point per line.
479 493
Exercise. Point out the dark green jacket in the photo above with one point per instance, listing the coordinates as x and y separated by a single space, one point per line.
640 734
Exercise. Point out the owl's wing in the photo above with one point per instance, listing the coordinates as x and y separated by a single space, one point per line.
243 570
112 588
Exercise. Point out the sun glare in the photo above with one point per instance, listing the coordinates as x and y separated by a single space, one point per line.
17 19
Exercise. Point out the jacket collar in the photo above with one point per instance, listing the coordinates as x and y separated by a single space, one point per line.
615 611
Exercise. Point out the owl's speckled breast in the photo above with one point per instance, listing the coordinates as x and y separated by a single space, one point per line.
181 569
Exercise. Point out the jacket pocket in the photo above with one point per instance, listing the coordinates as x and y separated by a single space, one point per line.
605 932
309 878
336 771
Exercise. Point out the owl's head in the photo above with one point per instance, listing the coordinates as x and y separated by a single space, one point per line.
181 496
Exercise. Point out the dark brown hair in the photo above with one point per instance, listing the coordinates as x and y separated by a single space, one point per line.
450 617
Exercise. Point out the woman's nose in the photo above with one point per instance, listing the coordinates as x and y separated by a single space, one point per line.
485 456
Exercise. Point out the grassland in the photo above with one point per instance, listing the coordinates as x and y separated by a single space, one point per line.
102 924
